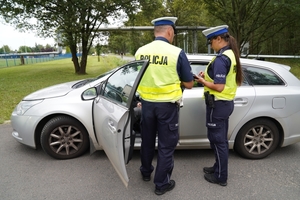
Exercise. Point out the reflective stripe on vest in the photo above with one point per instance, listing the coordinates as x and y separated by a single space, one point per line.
160 82
230 86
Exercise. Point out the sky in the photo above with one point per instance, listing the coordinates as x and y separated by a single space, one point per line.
14 38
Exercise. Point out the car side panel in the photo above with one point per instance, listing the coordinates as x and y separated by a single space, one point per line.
192 118
243 103
110 125
280 103
192 129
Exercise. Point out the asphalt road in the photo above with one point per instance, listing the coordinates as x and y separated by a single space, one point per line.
26 173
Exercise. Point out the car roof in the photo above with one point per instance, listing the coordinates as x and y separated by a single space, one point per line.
244 61
280 69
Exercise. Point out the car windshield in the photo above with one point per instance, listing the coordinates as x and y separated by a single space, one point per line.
106 73
86 81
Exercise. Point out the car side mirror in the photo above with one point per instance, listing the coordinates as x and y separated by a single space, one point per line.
89 94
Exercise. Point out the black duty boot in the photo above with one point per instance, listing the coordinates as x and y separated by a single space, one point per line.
165 189
212 179
208 170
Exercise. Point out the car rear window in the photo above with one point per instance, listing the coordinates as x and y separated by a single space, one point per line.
252 75
259 76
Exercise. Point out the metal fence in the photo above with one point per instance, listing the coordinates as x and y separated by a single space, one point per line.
9 60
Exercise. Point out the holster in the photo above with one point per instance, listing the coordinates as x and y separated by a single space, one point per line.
209 99
179 102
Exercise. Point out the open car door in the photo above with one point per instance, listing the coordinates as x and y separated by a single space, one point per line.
112 114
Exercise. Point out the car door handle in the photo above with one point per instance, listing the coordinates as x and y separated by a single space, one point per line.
112 127
240 101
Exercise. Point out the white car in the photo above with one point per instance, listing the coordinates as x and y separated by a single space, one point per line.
68 118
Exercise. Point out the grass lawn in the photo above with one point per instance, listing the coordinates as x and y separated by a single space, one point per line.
19 81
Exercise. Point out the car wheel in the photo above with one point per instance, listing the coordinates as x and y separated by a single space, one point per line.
257 139
64 138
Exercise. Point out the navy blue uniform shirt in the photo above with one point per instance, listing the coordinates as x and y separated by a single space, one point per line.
220 67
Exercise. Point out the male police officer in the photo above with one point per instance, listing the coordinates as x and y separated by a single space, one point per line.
160 90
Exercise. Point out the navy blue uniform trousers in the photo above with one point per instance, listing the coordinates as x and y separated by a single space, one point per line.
159 119
217 119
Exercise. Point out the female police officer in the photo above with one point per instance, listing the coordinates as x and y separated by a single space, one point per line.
160 89
220 80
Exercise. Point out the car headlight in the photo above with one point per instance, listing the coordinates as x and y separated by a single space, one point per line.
23 106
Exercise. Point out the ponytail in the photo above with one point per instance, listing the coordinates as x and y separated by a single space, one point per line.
233 45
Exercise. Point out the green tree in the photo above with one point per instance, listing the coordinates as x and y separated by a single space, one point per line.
68 50
25 49
77 21
5 49
189 13
286 41
38 48
119 42
49 48
253 21
149 10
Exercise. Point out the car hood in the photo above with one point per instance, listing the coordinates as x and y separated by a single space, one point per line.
64 88
52 91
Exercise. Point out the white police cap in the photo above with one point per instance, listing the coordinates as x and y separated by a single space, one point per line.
164 21
215 31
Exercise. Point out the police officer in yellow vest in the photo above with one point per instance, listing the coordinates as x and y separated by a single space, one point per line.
160 89
220 80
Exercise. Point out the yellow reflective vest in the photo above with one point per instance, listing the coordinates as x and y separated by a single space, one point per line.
160 82
230 86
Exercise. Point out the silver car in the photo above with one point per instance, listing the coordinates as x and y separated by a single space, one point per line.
68 118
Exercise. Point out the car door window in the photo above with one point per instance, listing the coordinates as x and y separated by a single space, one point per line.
119 85
196 68
259 76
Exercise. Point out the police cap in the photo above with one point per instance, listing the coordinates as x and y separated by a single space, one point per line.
165 21
215 31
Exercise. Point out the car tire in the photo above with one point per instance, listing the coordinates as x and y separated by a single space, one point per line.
64 138
257 139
